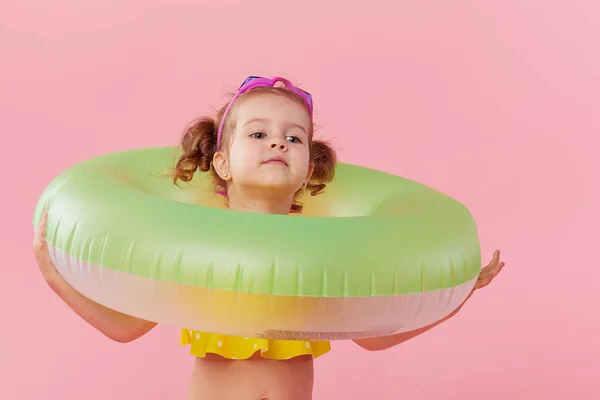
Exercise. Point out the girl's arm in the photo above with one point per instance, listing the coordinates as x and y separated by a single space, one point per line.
119 327
386 342
115 325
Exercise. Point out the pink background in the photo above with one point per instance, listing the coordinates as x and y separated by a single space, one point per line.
495 103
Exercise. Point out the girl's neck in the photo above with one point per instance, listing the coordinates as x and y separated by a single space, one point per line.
264 205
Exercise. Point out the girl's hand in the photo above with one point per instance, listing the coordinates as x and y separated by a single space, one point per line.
489 272
486 275
40 250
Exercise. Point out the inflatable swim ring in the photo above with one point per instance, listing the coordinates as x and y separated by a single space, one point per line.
374 255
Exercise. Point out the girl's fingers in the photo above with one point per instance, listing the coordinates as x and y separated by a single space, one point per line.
488 276
493 262
43 224
498 269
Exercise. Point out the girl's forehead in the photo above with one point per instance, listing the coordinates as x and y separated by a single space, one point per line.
272 106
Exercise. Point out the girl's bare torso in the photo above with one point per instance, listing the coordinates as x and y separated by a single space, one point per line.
257 378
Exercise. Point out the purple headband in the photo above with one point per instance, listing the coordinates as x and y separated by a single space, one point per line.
253 82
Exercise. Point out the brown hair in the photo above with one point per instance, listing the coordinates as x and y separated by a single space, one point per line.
199 144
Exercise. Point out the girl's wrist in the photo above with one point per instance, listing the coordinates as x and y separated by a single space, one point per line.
52 278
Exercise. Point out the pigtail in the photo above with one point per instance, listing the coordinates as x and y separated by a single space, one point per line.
198 144
324 159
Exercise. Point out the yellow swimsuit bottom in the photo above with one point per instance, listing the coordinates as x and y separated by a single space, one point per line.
240 348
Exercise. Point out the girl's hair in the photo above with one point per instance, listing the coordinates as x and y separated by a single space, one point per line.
199 144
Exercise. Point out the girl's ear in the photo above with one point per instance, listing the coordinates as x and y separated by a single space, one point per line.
221 165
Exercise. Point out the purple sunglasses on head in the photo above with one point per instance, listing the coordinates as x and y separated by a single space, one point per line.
253 82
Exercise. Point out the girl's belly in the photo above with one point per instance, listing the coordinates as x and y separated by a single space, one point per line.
257 378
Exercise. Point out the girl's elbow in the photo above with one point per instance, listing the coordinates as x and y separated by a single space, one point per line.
131 334
123 337
372 344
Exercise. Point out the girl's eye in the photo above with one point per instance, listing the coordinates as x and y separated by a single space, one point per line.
293 139
258 135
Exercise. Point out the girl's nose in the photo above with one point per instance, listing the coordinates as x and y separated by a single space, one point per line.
280 144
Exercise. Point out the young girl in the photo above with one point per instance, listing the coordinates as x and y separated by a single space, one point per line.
262 155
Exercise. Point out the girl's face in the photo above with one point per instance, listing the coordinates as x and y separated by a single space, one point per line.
268 150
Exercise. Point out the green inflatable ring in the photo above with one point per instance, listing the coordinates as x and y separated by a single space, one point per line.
376 254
